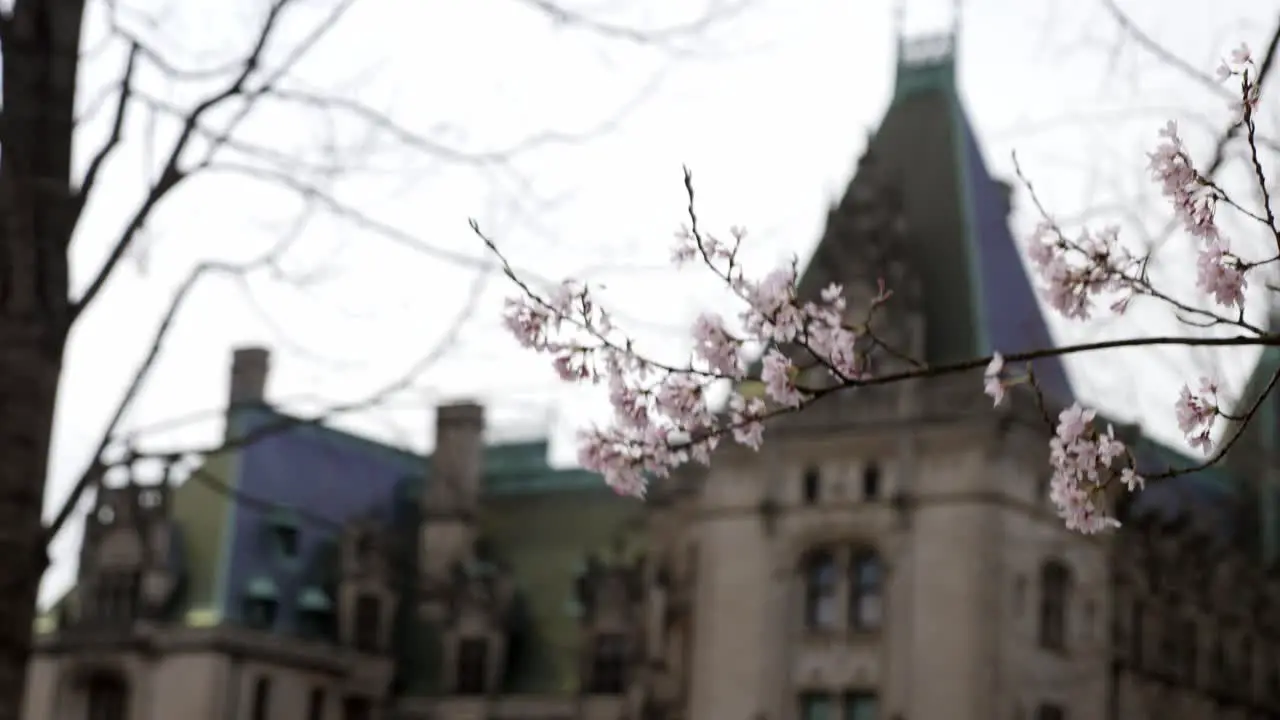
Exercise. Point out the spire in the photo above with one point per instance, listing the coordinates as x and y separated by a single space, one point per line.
925 60
974 294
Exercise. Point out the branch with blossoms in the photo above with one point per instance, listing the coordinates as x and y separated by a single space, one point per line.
808 348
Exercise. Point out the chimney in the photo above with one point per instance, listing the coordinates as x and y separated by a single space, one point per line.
457 462
249 369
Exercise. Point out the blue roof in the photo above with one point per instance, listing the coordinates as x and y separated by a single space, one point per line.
324 478
1008 306
319 474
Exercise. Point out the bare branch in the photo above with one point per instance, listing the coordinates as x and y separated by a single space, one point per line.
113 140
96 466
1164 54
1264 71
99 464
658 36
172 174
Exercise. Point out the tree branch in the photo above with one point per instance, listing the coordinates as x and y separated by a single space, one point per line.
1164 54
172 174
113 141
93 473
99 464
660 36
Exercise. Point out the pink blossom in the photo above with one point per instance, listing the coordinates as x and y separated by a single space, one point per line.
1194 200
778 374
1219 274
1197 412
714 345
994 386
662 417
745 415
1074 272
1083 463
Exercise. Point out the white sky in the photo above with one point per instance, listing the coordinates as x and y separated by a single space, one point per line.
770 111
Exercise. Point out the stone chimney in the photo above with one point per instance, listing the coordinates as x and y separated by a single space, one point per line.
457 461
249 369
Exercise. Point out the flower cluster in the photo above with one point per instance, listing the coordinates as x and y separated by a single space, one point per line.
1084 461
1240 64
1073 272
1197 412
662 416
1195 199
661 413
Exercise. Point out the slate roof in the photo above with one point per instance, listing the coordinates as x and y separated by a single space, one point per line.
539 521
976 296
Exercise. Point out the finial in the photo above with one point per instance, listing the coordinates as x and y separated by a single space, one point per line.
900 25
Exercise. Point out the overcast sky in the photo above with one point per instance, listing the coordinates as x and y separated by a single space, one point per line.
770 109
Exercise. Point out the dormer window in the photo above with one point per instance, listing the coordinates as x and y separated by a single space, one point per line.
261 604
284 536
106 515
608 664
472 666
315 613
149 499
368 623
117 597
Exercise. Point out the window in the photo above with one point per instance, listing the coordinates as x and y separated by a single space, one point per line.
108 697
1218 674
364 547
866 589
1137 636
820 590
815 706
812 482
1190 650
608 665
262 699
1055 589
315 624
286 536
1049 711
473 666
118 595
871 481
861 706
315 704
356 707
260 613
368 623
1244 670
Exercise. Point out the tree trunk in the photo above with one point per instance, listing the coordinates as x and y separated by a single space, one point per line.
28 390
40 43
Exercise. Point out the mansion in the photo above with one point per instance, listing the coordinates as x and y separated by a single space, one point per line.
889 554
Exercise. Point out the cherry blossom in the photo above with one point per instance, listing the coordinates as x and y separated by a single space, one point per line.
804 348
1084 461
1197 412
994 384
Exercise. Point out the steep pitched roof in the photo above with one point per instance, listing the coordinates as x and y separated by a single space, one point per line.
974 291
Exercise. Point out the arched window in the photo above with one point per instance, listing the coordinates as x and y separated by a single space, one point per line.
866 590
821 584
108 697
1055 598
871 481
812 485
